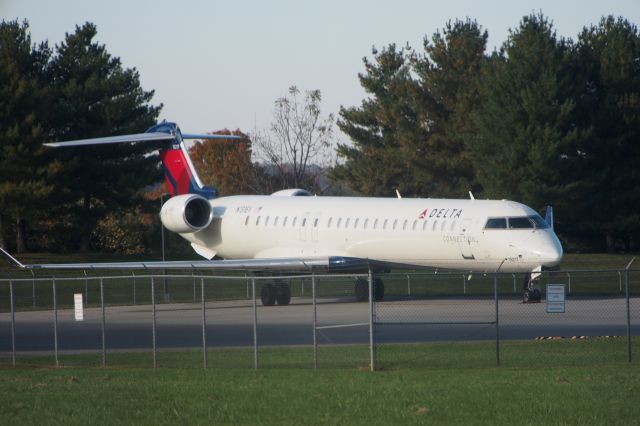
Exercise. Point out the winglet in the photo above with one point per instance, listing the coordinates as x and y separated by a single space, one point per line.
548 216
12 259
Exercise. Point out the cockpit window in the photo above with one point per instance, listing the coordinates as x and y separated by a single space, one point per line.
520 223
496 223
524 222
540 223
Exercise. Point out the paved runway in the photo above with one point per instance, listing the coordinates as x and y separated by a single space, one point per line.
231 323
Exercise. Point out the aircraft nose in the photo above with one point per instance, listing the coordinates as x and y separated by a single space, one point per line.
553 253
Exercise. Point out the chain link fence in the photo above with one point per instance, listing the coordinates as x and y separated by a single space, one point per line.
426 320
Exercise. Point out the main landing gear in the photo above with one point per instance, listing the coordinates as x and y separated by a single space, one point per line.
362 289
531 294
275 292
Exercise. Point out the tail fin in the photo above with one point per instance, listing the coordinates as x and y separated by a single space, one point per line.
179 172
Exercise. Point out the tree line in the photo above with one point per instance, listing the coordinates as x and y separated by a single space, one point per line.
541 120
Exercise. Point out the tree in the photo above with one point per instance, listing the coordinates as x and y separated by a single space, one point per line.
610 101
96 96
226 163
381 129
449 92
527 135
299 137
24 171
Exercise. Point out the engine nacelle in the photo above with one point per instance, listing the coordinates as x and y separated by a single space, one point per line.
186 213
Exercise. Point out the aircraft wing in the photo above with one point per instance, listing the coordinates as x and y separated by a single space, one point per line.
311 264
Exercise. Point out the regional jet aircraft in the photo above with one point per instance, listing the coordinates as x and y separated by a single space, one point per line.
293 230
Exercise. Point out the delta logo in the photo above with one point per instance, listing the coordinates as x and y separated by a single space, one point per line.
440 213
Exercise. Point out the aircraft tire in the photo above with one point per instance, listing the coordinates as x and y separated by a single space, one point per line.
362 290
282 294
536 295
268 294
526 296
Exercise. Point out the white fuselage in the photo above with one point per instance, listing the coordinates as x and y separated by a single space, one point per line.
439 233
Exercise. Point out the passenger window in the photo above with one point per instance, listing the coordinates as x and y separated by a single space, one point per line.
275 221
258 221
329 222
435 223
496 223
339 222
424 225
346 223
415 223
395 224
384 225
355 224
404 225
366 222
295 219
246 221
520 223
304 222
266 221
315 223
284 222
444 224
375 224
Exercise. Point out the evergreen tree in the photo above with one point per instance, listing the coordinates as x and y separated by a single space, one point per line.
527 138
97 97
610 102
449 92
24 184
382 128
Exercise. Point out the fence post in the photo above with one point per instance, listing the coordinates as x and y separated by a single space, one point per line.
372 361
255 323
194 286
626 284
315 321
153 324
134 286
55 324
247 282
13 325
204 323
569 279
408 285
104 340
464 284
86 289
514 282
33 287
495 296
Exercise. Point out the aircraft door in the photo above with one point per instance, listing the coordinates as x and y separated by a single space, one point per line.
464 240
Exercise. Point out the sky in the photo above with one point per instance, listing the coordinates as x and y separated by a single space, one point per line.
222 64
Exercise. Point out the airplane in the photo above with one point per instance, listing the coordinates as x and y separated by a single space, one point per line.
293 230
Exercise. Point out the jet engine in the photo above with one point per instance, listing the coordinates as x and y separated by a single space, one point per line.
186 213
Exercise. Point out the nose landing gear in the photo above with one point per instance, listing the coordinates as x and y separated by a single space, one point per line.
531 294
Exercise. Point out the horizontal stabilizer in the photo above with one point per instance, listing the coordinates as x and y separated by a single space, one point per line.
138 137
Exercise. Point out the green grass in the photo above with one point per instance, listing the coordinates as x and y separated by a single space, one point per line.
440 392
